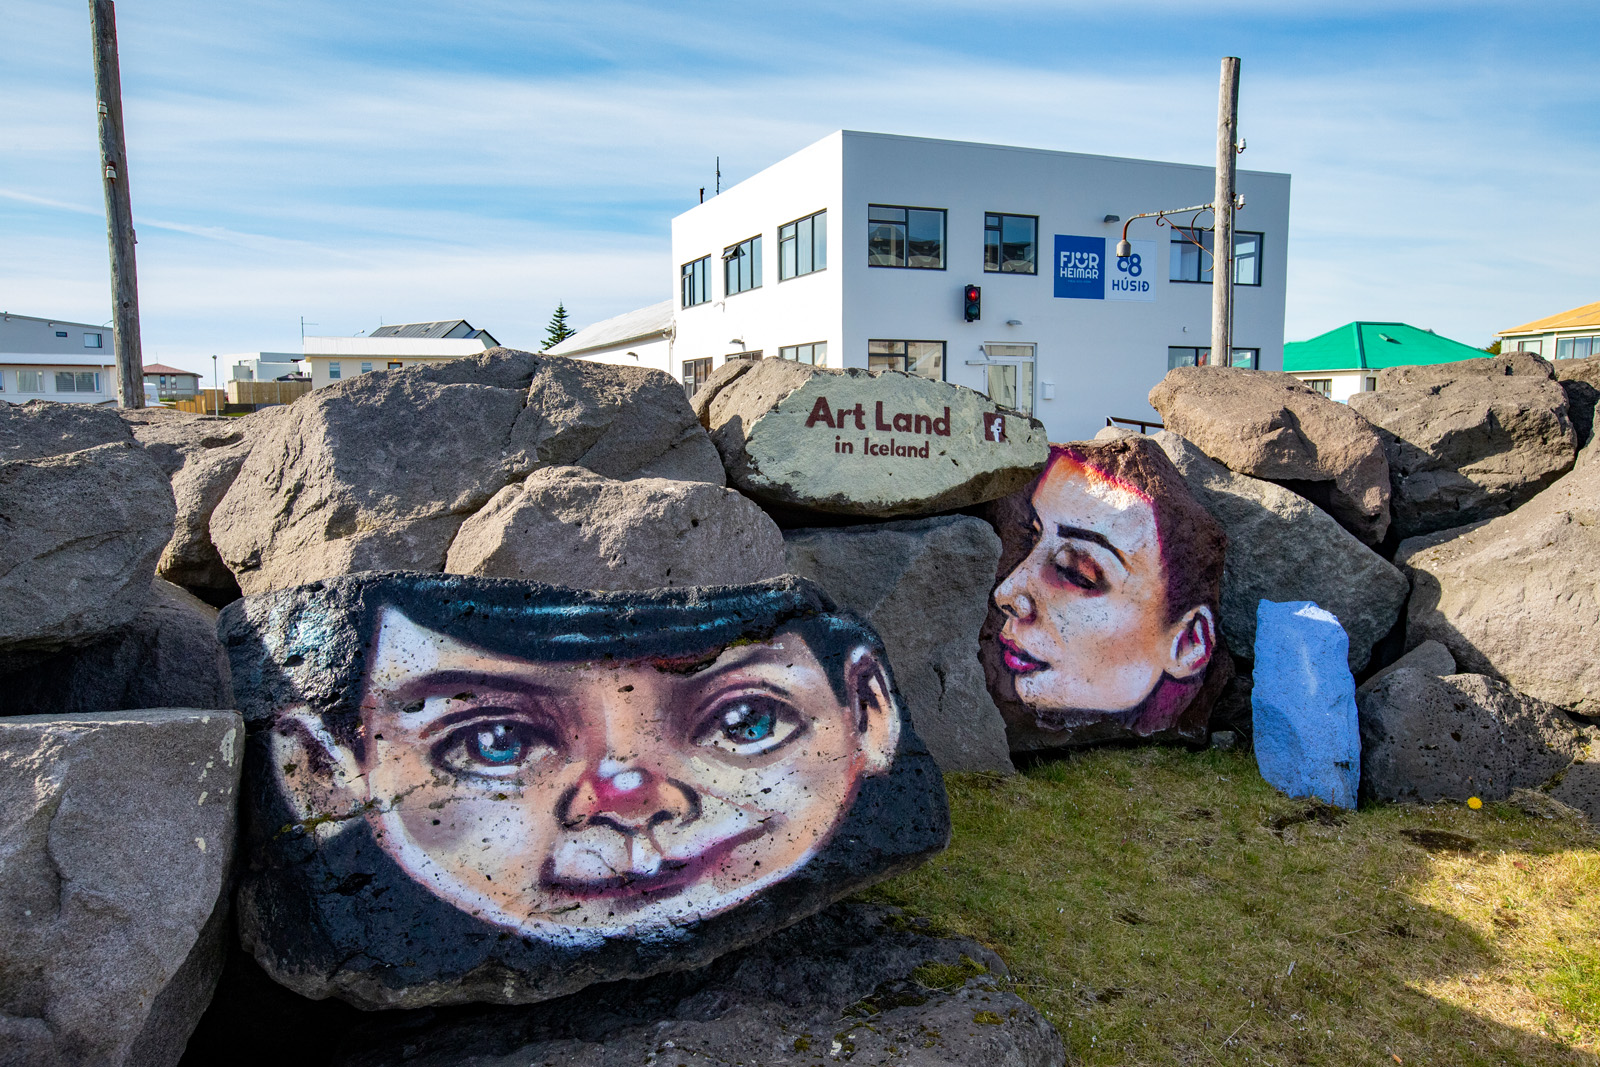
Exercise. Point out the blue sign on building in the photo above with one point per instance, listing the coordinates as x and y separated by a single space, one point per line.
1081 267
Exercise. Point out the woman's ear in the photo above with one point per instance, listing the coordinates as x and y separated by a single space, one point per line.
321 779
1194 638
877 715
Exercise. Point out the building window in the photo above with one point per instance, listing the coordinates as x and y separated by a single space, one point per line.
1010 376
395 364
914 357
1532 347
1321 385
695 373
82 381
815 353
695 282
365 366
1243 358
741 266
333 369
92 340
1191 264
905 237
1577 347
1246 258
1372 385
1011 244
803 246
30 381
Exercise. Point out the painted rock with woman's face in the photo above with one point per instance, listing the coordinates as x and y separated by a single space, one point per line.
467 789
1103 620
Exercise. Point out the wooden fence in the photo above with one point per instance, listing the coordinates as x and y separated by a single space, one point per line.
257 393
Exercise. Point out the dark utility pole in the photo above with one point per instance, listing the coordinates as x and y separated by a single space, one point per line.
119 207
1222 238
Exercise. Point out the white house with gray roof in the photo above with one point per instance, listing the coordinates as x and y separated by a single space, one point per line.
332 359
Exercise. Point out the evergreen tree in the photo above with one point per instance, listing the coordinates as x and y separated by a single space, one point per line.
1493 347
558 329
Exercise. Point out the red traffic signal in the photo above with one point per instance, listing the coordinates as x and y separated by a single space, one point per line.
972 296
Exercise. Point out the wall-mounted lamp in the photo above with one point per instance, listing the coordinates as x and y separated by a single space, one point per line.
635 355
1112 218
736 341
1013 322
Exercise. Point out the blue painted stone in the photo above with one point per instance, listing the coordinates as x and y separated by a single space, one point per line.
1307 740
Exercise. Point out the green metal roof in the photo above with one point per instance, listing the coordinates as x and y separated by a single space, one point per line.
1372 345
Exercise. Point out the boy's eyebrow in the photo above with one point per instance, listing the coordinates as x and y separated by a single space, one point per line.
1078 533
433 681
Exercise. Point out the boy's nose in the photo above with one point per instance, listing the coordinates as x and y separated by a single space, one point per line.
630 800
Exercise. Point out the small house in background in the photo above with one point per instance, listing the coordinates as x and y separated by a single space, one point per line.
48 359
1571 334
332 359
642 338
263 366
1345 361
172 383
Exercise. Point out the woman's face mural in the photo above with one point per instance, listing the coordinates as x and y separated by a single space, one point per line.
1104 614
479 789
560 798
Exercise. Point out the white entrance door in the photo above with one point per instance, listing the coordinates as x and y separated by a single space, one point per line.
1011 375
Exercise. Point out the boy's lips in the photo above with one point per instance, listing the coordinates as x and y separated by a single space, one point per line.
1017 660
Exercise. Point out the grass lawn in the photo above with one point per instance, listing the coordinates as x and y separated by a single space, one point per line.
1166 907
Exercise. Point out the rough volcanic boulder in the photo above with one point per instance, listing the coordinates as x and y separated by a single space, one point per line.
1103 620
1430 657
570 526
167 657
1468 448
202 454
80 533
1429 738
476 789
1282 548
380 471
882 444
1425 374
1580 380
1269 425
923 584
40 429
1579 787
119 828
1518 597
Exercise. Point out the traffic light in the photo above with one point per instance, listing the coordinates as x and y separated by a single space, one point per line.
972 296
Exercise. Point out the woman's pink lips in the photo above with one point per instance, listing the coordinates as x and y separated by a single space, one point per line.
1016 659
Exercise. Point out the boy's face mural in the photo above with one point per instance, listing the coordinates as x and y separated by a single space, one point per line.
1087 626
565 799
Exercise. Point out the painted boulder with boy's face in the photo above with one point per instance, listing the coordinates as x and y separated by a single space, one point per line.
1103 620
468 789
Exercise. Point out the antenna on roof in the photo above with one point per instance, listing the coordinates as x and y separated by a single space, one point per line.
719 176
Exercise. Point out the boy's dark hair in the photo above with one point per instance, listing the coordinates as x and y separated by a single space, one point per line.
311 645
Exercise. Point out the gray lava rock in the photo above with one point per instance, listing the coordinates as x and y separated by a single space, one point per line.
1580 380
1469 448
119 831
40 429
841 986
380 471
1579 787
1283 548
167 657
1511 364
482 790
1428 738
1430 657
569 526
924 585
879 444
1271 425
80 534
1518 597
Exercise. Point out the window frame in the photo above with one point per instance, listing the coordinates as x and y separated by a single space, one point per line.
733 259
36 379
1208 243
1255 357
1323 386
905 356
100 339
335 371
819 225
689 373
1000 229
784 352
1259 257
944 236
686 281
75 379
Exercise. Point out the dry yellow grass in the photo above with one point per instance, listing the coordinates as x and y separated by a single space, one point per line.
1166 907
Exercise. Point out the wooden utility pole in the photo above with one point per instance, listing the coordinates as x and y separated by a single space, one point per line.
119 206
1222 238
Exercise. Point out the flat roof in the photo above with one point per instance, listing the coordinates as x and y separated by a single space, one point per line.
1373 346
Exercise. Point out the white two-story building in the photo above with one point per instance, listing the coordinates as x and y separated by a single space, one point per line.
858 252
50 359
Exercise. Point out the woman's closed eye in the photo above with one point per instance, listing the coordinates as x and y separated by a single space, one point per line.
1078 568
493 747
749 724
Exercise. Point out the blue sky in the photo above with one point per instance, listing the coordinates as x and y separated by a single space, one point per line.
364 163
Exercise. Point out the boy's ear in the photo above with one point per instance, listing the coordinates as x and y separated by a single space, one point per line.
321 778
877 715
1194 638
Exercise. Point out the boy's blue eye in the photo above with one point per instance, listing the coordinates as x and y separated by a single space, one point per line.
745 724
750 725
492 747
498 744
